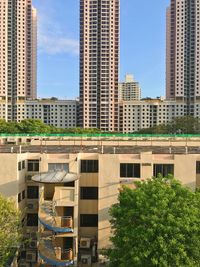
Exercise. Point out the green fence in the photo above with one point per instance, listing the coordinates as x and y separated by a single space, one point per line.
102 135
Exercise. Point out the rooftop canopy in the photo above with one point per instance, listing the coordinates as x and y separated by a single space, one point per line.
55 177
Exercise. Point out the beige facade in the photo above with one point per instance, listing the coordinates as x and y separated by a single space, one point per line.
17 55
99 61
129 90
78 227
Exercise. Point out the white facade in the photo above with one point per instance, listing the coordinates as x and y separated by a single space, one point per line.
59 113
137 115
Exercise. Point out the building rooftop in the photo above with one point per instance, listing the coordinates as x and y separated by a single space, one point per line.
100 143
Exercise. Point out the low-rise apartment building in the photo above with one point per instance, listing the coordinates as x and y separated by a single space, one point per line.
66 190
137 115
58 113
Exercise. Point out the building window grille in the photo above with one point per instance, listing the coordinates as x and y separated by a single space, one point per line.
89 220
89 166
33 165
163 169
130 170
58 167
32 192
89 193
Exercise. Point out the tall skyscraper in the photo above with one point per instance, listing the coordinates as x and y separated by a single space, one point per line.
183 52
17 55
99 60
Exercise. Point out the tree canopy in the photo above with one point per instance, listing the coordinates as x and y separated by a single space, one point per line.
179 125
156 224
10 230
34 126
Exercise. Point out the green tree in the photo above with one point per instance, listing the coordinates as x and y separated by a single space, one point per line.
184 125
10 230
33 126
179 125
156 224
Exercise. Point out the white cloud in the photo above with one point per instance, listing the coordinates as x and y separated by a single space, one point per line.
56 45
51 38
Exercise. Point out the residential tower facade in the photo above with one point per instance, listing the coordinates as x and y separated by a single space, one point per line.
183 48
17 55
99 61
129 90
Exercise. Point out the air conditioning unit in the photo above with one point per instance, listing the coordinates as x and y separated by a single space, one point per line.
86 260
85 242
30 256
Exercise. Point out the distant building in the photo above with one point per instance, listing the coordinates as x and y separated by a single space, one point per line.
99 63
183 50
59 113
129 90
137 115
18 42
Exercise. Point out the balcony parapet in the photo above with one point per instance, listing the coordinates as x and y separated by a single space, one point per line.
49 218
53 254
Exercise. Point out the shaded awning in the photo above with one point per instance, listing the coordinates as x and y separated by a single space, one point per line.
55 177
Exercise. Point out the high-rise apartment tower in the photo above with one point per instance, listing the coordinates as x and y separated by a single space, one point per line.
18 43
99 60
183 52
129 90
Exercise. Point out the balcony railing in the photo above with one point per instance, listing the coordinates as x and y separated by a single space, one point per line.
54 255
49 218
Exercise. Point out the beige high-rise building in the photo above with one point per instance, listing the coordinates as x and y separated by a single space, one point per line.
99 60
183 48
17 55
129 90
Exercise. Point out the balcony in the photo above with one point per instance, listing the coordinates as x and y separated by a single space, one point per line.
48 217
53 254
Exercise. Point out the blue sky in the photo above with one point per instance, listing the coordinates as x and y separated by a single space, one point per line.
142 46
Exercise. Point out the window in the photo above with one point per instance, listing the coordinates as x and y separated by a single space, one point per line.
19 166
19 197
33 165
23 194
163 169
130 170
89 166
32 219
32 192
58 167
198 167
23 164
89 220
89 193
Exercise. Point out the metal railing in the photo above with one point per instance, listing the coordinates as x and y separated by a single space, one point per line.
49 218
